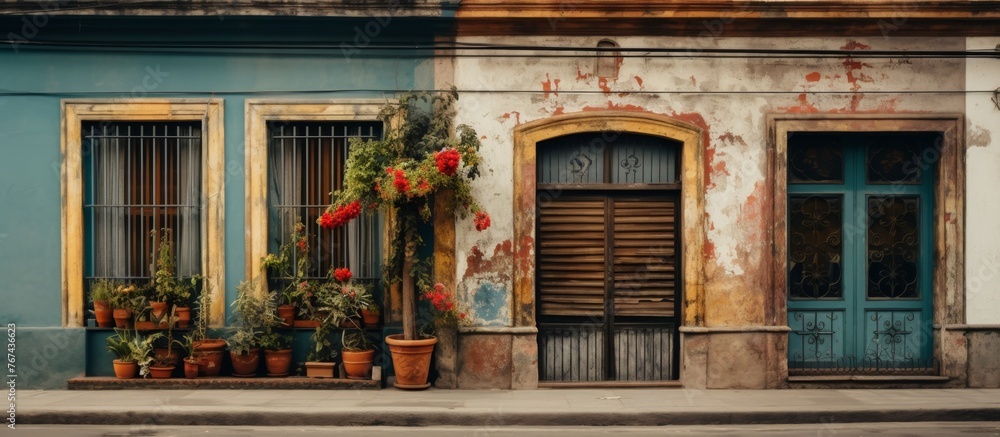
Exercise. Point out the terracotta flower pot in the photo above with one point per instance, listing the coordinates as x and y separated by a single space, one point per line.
161 372
358 365
245 365
319 369
125 369
123 318
287 314
411 361
103 315
370 318
209 352
159 309
191 368
278 362
183 317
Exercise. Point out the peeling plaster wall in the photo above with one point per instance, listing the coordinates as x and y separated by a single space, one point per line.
982 248
727 98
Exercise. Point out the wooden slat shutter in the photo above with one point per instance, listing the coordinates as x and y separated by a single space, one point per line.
644 274
570 258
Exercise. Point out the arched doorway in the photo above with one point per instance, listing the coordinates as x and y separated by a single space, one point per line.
607 258
677 193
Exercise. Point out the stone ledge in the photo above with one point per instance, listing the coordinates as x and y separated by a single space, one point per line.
869 378
222 383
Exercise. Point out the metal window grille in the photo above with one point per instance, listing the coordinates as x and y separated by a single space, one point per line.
140 177
306 163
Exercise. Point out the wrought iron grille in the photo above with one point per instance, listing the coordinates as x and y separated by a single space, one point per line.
140 177
306 162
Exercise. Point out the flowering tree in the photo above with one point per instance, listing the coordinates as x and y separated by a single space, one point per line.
399 174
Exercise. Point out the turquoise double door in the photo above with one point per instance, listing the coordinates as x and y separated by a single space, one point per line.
860 234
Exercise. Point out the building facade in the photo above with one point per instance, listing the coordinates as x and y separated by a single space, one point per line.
700 194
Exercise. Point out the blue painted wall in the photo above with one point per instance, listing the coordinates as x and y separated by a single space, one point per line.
30 245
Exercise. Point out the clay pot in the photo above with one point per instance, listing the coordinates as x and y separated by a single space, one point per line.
358 365
209 353
245 365
161 372
103 315
287 314
191 368
278 362
123 318
370 318
411 360
125 369
183 317
318 369
159 309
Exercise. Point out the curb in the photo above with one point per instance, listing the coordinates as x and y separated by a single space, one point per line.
493 418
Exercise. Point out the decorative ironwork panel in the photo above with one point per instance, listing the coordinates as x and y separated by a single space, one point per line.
576 159
641 159
815 252
894 163
816 339
571 352
642 353
893 247
815 158
894 339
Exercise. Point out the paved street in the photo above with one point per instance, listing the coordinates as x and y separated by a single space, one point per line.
930 429
490 409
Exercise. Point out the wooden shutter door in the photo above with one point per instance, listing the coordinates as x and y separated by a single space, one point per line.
571 256
644 274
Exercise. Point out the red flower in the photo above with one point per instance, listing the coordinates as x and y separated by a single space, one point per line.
326 220
341 215
482 221
342 274
447 161
400 182
303 245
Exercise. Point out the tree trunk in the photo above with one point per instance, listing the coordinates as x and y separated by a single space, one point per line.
409 297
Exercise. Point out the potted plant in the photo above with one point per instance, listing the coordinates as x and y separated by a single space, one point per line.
126 301
444 323
371 315
207 351
101 293
250 315
132 353
165 283
192 362
123 346
328 315
286 280
182 300
418 158
277 345
350 299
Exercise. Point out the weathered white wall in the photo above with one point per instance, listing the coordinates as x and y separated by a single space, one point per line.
982 246
728 98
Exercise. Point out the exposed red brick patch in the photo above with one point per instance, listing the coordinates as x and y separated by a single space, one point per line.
639 81
603 84
500 263
813 77
547 86
517 117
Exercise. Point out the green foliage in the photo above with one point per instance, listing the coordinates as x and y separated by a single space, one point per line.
400 173
283 277
275 340
355 340
164 278
322 349
202 313
252 314
131 347
102 290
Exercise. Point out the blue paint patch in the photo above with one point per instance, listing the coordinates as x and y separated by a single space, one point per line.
489 304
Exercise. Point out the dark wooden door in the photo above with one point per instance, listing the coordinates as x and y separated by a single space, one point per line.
606 274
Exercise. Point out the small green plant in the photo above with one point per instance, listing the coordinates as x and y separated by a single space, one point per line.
274 341
129 346
252 314
164 277
127 296
283 277
355 340
322 347
203 306
102 290
121 344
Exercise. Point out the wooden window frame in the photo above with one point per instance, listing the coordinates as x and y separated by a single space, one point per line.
209 112
261 111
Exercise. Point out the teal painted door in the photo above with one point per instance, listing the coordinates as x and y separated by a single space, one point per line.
859 252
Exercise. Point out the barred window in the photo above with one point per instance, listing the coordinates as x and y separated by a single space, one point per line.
306 162
139 177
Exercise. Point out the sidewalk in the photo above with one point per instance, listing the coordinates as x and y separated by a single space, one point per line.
544 407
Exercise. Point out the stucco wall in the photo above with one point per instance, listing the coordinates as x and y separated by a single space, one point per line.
727 98
30 246
982 248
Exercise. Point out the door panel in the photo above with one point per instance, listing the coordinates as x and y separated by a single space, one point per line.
859 234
